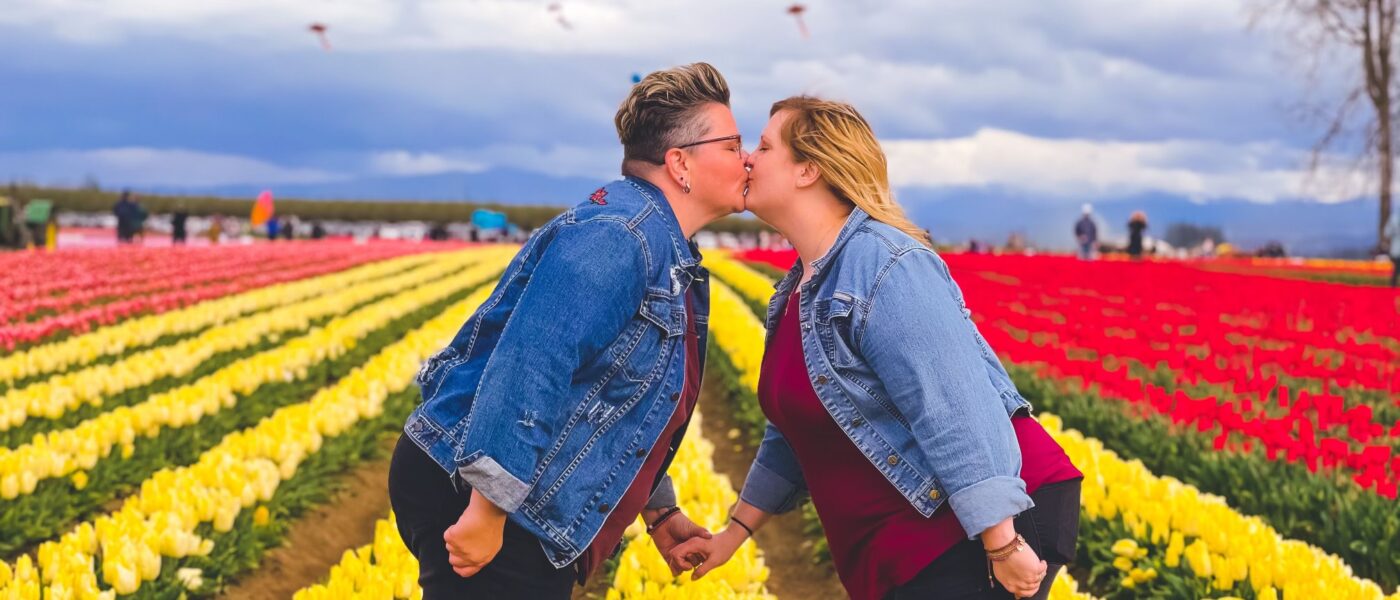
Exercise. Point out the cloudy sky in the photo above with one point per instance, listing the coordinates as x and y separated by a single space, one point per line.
1063 100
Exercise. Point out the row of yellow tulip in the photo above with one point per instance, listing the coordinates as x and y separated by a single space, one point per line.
141 331
60 453
1220 545
706 498
126 548
740 335
751 285
386 569
380 570
59 394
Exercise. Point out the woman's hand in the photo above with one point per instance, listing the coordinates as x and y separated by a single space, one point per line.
476 538
1022 573
705 555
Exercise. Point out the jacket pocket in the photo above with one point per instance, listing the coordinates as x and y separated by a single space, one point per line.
639 356
836 330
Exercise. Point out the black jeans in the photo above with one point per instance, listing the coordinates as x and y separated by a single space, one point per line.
425 505
1051 529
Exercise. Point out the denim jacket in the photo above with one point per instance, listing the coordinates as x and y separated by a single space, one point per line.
550 397
894 357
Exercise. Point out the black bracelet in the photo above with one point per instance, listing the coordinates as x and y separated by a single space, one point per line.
741 524
670 512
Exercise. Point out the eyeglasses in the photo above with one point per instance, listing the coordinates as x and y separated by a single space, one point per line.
736 137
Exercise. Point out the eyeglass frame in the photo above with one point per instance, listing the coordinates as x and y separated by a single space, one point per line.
736 137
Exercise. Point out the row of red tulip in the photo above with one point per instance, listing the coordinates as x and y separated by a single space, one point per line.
304 260
104 279
1307 371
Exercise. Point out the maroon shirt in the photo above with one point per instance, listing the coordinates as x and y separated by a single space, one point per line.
878 540
635 499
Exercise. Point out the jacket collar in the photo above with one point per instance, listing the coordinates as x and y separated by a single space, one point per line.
686 251
854 221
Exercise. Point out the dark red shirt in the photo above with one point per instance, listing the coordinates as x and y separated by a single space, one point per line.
636 496
878 540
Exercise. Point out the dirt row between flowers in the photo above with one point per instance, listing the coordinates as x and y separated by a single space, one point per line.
316 540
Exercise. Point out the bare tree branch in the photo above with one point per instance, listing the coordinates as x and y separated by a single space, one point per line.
1366 27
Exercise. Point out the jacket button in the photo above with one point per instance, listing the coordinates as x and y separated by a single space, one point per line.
893 460
640 452
675 396
857 422
604 507
821 380
933 494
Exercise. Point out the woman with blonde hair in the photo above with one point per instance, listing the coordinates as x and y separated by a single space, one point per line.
885 404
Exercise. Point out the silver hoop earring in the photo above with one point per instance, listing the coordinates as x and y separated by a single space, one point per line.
685 187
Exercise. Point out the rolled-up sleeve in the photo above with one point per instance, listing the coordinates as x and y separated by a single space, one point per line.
774 484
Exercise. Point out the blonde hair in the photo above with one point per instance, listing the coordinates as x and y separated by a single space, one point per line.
834 137
663 110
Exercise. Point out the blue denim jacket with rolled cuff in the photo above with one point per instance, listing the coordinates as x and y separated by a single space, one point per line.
894 357
550 397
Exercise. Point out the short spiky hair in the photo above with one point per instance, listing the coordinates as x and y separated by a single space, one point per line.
662 111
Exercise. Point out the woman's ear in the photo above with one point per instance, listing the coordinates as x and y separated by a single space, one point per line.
807 174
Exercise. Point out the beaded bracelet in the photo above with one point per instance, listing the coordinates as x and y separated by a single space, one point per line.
661 520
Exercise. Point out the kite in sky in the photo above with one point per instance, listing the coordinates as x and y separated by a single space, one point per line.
796 11
558 12
320 30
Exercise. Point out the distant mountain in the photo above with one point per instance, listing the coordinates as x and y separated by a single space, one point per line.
951 214
1307 228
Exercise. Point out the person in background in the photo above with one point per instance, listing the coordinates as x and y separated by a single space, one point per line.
51 233
318 232
289 228
138 223
1137 224
125 212
178 222
1086 233
216 229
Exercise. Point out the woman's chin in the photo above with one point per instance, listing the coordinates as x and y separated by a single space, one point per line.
751 200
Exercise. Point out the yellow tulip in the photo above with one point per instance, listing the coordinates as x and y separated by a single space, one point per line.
162 517
85 444
140 331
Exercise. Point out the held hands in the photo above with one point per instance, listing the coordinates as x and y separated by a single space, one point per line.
475 539
705 555
676 531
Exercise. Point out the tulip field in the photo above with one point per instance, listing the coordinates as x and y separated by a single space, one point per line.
169 415
1237 431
